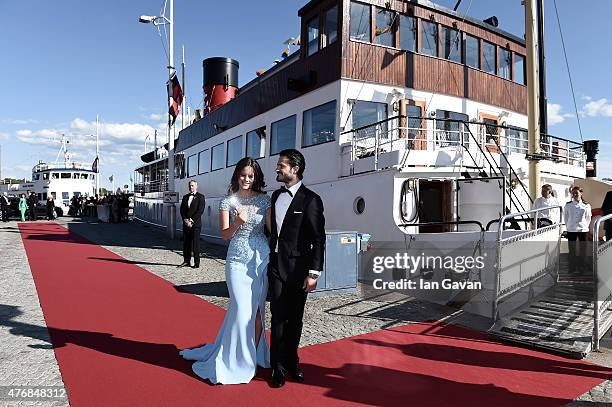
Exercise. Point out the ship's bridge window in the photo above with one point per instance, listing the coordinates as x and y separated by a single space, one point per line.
489 63
83 176
45 175
408 33
330 32
472 51
361 18
255 143
192 165
55 175
429 38
517 139
365 113
234 151
65 175
519 69
319 124
218 156
75 175
203 161
451 44
313 35
385 27
283 135
505 63
65 195
451 131
36 177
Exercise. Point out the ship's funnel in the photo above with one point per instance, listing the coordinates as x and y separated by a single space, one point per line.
220 82
591 148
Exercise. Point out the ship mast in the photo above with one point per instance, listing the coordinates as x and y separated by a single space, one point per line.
533 115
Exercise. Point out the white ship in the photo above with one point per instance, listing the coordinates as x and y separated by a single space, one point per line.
61 179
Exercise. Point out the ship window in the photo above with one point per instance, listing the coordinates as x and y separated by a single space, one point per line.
472 51
365 113
331 26
360 21
255 143
408 33
519 69
36 177
203 161
319 124
489 63
65 175
449 133
313 35
45 175
385 22
76 194
55 175
218 154
65 195
451 44
517 138
83 176
192 165
91 176
505 63
54 195
429 38
39 196
283 135
44 196
414 123
234 151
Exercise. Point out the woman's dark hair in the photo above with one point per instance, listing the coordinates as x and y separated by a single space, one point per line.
258 182
296 159
606 207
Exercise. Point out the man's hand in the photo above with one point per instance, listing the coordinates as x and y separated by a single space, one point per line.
309 284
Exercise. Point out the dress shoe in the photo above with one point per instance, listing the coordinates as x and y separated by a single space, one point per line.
296 374
184 264
278 378
195 266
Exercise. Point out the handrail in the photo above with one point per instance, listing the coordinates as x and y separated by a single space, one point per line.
455 222
525 220
501 151
502 220
596 301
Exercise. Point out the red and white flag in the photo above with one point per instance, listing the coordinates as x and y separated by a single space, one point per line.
175 97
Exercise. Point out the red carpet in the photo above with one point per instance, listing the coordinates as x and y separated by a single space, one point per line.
117 328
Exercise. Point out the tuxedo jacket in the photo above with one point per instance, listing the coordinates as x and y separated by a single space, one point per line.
301 242
195 211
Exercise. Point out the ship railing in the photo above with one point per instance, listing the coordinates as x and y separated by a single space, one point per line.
602 282
525 257
159 185
409 133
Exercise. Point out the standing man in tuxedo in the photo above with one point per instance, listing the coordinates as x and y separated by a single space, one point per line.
32 201
192 208
297 247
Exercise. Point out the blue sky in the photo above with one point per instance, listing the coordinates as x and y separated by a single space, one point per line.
66 61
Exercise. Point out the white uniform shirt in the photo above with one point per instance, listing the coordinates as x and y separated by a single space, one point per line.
577 216
542 202
280 208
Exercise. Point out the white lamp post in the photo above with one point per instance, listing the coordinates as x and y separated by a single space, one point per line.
157 21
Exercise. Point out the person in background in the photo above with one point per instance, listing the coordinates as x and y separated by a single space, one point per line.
23 206
606 207
546 217
50 208
4 207
577 215
32 201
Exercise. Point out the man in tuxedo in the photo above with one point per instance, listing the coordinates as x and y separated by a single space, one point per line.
5 206
192 207
297 248
32 201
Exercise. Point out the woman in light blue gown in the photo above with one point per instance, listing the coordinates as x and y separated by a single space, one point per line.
241 342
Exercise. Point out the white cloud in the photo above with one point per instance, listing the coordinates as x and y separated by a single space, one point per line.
597 108
157 117
4 136
24 132
554 114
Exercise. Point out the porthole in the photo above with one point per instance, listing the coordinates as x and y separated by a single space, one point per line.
359 205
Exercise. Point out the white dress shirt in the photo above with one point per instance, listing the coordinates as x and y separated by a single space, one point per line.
577 216
190 199
542 202
280 208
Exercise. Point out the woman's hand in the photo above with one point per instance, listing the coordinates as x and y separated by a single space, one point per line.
241 216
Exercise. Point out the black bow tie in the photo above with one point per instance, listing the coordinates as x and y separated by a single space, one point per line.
285 189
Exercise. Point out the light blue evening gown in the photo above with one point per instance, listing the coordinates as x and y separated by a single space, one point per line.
233 357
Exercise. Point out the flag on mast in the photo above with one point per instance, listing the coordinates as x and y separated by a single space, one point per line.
95 165
175 97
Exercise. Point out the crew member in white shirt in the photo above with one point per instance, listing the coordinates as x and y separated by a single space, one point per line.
577 215
546 217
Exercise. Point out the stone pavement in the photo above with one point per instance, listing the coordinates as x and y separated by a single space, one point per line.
326 319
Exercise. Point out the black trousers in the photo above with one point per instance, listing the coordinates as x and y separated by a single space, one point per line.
577 251
191 244
287 301
32 212
4 214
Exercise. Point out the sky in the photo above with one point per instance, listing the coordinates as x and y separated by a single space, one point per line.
66 61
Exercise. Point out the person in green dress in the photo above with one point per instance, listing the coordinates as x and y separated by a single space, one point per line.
23 205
